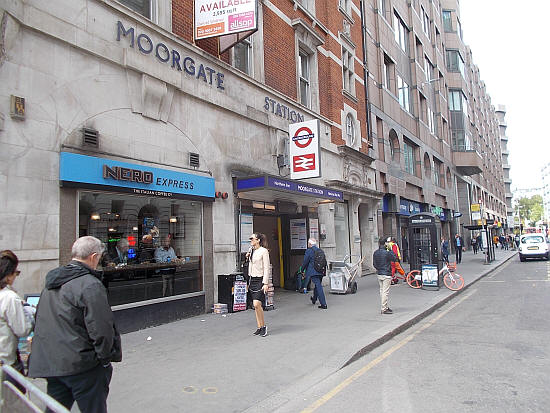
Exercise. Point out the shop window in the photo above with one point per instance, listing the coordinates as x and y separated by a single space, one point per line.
341 230
153 245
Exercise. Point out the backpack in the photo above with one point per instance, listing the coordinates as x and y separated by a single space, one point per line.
319 261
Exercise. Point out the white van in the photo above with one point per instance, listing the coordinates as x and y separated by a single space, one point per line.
533 246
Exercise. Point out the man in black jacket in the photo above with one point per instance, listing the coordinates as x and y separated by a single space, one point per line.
382 259
75 338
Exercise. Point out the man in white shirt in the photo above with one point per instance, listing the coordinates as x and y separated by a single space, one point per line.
166 253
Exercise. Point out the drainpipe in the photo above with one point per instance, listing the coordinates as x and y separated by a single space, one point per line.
366 73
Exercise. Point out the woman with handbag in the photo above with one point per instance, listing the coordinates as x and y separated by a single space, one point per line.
258 271
16 318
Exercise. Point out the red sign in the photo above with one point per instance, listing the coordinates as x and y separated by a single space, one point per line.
298 138
304 162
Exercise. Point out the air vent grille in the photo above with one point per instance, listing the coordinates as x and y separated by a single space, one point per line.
90 137
194 160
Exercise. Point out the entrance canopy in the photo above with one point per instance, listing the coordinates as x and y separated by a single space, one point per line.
271 188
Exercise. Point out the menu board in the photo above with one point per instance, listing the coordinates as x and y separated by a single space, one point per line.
298 236
239 296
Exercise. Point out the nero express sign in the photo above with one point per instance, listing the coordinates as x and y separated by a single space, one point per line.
83 171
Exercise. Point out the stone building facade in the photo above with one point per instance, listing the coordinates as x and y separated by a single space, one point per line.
133 129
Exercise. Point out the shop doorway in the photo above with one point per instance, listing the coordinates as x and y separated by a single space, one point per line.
269 225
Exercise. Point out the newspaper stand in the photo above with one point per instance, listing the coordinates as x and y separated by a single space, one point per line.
424 244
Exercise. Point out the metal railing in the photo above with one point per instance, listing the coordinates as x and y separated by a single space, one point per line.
12 399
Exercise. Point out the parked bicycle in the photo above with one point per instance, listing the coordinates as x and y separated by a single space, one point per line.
451 279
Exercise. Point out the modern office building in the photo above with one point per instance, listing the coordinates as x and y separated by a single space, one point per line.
545 172
501 114
124 120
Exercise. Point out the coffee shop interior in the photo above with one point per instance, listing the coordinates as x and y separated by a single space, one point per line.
153 245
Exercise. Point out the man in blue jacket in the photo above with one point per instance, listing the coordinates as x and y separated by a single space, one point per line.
315 275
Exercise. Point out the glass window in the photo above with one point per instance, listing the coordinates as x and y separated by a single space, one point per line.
447 21
242 56
143 7
431 120
382 7
350 130
403 93
153 245
428 69
410 161
347 70
341 230
437 173
425 22
401 33
387 72
455 63
303 68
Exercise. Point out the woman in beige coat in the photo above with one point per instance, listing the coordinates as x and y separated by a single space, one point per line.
258 270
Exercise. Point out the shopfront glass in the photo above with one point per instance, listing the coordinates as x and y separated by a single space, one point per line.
153 245
341 230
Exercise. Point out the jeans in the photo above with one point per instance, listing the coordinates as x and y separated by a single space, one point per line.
458 254
318 291
88 389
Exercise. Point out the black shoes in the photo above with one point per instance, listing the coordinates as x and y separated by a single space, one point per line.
258 331
263 331
324 307
387 311
312 300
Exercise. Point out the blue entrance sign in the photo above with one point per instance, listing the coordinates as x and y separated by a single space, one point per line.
271 182
90 172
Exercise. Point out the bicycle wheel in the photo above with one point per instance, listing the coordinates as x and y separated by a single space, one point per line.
453 282
412 281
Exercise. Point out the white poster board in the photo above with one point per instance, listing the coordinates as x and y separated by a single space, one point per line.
239 295
247 229
298 236
314 229
430 275
304 149
219 18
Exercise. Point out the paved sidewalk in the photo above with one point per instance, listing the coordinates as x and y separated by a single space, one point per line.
213 363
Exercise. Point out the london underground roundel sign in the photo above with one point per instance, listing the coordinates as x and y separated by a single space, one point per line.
304 150
303 137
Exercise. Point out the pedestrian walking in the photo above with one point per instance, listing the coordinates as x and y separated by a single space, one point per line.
459 244
516 239
258 270
405 247
315 264
474 244
479 242
16 317
382 259
445 250
502 241
75 337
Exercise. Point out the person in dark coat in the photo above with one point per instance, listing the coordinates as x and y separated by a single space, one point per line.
458 244
75 338
315 276
445 250
382 260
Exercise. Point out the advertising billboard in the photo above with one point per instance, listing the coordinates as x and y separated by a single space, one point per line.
304 150
215 18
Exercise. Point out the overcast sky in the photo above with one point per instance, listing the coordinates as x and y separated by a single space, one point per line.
509 42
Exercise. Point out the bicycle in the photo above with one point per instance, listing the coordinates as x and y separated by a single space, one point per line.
451 279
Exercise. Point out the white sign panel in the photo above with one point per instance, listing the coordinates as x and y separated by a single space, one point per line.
247 228
314 228
298 238
220 17
304 150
